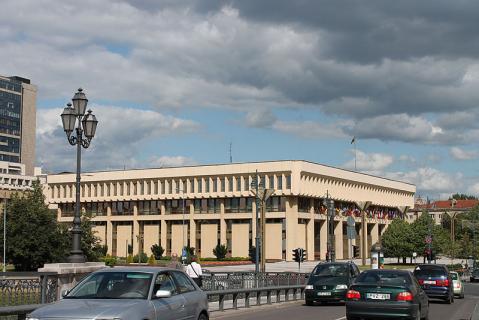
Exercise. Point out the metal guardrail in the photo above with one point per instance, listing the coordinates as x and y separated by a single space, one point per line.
246 294
247 280
25 288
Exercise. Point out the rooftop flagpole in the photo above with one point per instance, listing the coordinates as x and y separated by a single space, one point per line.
355 153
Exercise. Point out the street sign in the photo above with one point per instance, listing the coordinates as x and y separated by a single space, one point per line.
428 239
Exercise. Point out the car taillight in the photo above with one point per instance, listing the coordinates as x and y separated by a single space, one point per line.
353 295
442 283
457 285
404 296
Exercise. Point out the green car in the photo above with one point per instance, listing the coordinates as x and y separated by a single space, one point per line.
329 282
386 294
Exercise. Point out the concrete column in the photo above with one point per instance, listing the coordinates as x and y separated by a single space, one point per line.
136 234
291 226
310 234
338 239
375 232
192 227
323 234
163 227
222 222
109 236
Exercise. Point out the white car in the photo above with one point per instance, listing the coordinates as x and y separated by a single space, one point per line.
457 284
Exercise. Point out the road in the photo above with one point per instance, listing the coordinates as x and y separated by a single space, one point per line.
461 309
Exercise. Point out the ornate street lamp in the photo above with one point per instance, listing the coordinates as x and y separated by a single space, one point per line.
84 133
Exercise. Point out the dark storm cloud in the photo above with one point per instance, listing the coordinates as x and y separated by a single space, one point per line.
368 31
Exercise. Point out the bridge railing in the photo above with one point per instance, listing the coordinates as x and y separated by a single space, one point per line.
242 297
247 280
25 288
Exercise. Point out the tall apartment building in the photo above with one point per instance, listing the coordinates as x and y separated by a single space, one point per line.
17 125
203 206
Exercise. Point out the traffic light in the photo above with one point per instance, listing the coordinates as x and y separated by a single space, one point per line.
355 251
296 256
302 254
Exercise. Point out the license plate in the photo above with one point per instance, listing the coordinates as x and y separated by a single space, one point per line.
324 293
429 281
378 296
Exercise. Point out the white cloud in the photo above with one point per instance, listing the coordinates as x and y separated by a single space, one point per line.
369 162
474 189
460 154
120 134
430 180
167 161
260 118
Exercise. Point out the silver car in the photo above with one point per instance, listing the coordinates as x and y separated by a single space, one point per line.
141 293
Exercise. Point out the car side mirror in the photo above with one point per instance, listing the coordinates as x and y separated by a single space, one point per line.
64 293
163 294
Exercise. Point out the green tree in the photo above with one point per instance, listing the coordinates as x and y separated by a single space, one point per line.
33 234
157 251
396 240
461 196
220 251
90 243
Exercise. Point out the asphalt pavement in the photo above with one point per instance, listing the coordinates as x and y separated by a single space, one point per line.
461 309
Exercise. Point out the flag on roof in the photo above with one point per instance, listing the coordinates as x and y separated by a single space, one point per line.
354 140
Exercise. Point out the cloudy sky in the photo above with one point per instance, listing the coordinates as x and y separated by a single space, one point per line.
174 82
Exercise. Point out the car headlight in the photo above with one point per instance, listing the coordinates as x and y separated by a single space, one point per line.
341 286
309 287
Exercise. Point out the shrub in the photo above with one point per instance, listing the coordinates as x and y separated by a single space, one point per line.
157 251
110 261
220 251
151 260
141 258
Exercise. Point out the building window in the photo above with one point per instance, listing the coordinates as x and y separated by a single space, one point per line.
122 208
232 205
238 183
162 187
148 207
276 204
67 209
207 185
279 182
128 188
101 189
200 185
200 206
215 184
192 185
304 204
175 206
170 187
271 182
230 184
288 182
214 206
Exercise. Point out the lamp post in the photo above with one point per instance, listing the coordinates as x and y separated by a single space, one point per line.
80 129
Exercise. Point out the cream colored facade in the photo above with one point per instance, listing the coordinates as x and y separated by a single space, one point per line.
203 206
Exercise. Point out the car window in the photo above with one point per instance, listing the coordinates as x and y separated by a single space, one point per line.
454 276
429 271
332 270
184 283
164 281
387 278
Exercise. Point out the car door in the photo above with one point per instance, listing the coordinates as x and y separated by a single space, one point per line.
190 293
170 308
423 298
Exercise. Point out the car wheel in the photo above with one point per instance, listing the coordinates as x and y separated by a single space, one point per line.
309 302
202 316
461 296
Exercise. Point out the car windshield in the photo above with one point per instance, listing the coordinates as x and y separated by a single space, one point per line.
385 278
475 272
454 276
113 285
429 272
331 270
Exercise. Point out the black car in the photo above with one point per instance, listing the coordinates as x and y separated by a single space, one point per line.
386 294
436 281
475 275
329 282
